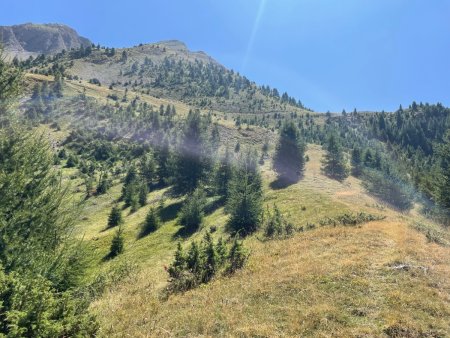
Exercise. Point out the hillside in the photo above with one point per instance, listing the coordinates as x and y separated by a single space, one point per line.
30 39
381 278
169 70
122 171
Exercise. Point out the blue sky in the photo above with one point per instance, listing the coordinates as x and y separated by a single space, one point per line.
332 54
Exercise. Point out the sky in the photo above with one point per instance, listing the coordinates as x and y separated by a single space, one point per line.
330 54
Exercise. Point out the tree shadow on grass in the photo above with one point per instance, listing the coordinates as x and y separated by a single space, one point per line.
170 212
108 257
214 205
281 183
184 232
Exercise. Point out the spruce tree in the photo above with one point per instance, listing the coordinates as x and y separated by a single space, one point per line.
193 263
357 165
151 223
40 262
443 182
222 251
236 257
143 192
191 160
192 212
334 163
147 169
224 174
179 264
289 159
245 198
115 217
209 258
10 87
117 243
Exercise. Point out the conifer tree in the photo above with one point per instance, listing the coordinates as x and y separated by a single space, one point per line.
356 161
193 263
209 258
224 174
147 169
236 257
444 179
143 192
191 161
151 223
179 263
334 163
289 159
115 217
117 243
192 212
245 198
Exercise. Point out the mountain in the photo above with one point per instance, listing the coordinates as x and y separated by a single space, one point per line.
168 69
33 39
337 252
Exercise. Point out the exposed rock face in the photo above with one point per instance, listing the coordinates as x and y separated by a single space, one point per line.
34 39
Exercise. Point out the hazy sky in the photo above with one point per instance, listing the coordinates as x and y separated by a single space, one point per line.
332 54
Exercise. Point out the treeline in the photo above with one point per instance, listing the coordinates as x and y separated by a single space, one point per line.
400 156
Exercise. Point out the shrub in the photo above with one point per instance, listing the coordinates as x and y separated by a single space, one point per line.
203 262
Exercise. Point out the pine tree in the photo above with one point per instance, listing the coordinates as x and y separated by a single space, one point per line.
40 267
104 184
191 161
192 212
209 258
333 163
289 159
193 263
245 198
356 160
10 84
117 243
143 192
236 257
179 264
115 217
224 174
222 251
152 222
443 188
147 169
163 169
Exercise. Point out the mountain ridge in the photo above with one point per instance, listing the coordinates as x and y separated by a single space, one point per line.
30 39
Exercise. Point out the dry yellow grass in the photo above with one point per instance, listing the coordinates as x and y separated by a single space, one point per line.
341 282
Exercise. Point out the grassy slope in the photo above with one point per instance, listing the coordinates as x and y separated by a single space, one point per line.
326 281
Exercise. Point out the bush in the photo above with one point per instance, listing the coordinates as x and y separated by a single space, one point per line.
277 225
31 307
203 262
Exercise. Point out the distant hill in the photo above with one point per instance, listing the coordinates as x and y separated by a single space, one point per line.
168 69
33 39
